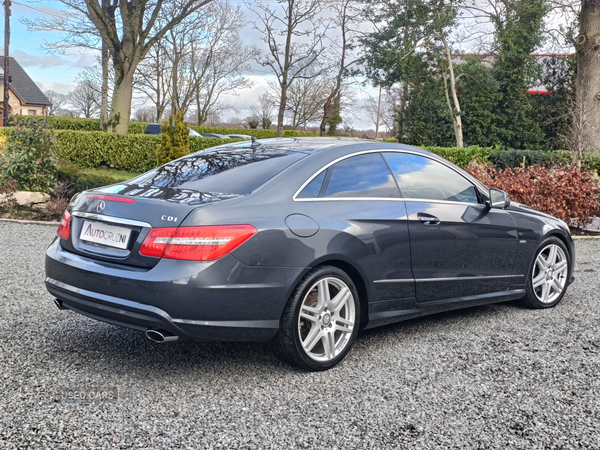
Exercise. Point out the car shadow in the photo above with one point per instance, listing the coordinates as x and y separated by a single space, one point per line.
80 341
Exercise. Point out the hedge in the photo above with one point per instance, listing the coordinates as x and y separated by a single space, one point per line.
461 156
514 158
77 181
77 124
136 152
132 152
71 123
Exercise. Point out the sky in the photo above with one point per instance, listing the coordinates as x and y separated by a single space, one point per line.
58 72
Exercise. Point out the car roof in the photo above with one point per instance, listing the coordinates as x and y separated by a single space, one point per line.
320 144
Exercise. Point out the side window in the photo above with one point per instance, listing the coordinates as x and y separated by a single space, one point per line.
423 178
361 176
312 189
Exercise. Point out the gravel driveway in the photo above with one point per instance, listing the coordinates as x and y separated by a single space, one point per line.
488 377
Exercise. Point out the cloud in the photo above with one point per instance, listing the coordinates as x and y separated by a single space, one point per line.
71 60
30 60
58 86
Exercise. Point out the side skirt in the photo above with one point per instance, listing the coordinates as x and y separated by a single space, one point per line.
423 309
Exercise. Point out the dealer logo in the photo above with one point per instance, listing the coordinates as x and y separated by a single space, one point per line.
100 207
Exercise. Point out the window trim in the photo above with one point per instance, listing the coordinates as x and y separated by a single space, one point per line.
380 151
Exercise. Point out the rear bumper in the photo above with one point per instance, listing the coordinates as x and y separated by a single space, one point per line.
142 317
222 300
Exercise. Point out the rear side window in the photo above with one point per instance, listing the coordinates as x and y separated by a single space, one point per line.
423 178
359 176
233 171
313 188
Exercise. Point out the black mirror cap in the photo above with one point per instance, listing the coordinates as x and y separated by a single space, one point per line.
498 199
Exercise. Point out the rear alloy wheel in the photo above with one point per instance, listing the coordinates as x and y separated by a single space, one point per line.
320 321
548 277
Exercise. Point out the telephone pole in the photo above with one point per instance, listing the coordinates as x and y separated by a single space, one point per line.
6 46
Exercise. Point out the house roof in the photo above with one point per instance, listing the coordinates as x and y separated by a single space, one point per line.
24 86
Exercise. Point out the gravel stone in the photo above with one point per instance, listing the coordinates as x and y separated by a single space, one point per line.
498 376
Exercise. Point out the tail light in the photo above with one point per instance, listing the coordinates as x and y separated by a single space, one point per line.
64 226
205 243
110 198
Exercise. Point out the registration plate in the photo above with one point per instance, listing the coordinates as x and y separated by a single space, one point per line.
101 233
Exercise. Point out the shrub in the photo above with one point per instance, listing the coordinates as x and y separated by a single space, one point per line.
461 156
60 199
174 139
137 127
74 180
564 192
68 123
29 157
7 188
262 134
131 152
514 158
3 141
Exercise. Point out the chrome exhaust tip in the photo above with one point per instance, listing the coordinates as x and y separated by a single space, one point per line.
161 336
58 304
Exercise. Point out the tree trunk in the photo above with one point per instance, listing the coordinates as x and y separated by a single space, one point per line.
104 91
400 134
587 86
120 108
159 108
454 112
281 114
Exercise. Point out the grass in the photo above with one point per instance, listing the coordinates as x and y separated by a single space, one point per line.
117 175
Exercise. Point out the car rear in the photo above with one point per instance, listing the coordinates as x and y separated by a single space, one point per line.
127 254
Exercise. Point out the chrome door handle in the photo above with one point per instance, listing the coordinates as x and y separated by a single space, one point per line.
427 219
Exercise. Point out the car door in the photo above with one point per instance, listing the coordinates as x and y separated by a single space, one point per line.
362 217
459 246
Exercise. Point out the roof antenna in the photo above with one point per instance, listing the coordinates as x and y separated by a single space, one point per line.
254 144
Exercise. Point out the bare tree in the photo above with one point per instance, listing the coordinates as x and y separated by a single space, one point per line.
127 28
144 114
220 60
57 102
390 101
198 61
293 32
264 110
304 99
85 99
347 18
152 79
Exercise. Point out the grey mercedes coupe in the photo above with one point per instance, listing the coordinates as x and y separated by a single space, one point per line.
303 241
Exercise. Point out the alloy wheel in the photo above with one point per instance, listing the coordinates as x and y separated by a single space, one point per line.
549 275
327 319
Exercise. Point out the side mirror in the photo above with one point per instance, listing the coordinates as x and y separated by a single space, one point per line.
498 199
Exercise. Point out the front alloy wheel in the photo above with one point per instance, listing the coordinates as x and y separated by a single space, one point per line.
320 321
548 277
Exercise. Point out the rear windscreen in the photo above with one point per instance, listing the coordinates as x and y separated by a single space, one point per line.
231 171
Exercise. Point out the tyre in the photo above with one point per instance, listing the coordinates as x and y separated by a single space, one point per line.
320 321
549 274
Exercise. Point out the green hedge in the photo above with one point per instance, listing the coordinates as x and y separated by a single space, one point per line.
263 134
79 181
70 123
77 124
461 156
136 151
132 152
